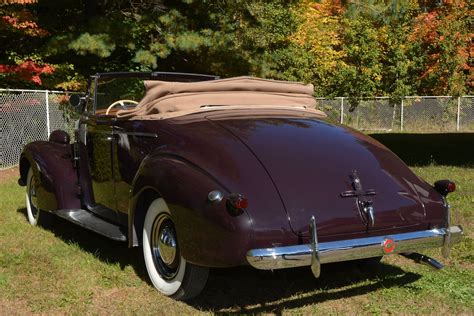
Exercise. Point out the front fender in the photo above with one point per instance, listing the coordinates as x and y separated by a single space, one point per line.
208 235
56 177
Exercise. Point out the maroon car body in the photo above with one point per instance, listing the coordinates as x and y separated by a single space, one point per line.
293 167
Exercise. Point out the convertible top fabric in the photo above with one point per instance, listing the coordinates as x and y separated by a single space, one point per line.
165 99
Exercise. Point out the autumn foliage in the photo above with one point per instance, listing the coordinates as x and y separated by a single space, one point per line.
392 48
21 24
345 48
443 36
28 71
28 27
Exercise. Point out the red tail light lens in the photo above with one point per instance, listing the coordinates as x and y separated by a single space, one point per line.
451 187
444 187
236 203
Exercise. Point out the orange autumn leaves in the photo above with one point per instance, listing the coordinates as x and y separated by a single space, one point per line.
448 47
28 70
28 27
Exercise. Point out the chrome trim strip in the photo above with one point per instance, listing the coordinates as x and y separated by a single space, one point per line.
114 132
136 134
350 249
315 262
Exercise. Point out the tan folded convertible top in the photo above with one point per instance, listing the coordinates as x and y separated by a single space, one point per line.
165 99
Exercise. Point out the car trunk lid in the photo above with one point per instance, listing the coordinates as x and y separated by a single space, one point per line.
312 165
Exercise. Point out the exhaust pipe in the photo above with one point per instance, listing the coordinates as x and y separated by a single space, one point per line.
419 258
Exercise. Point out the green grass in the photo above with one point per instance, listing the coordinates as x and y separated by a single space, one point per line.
64 269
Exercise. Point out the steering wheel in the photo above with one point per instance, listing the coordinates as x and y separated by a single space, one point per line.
121 102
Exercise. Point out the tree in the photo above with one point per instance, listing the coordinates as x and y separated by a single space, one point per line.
5 2
221 37
442 40
20 23
360 72
320 33
346 48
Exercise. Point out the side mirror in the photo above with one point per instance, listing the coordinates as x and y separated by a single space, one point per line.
77 100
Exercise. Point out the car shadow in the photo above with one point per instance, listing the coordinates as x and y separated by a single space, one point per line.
104 249
244 289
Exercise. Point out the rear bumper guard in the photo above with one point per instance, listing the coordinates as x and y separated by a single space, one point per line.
315 253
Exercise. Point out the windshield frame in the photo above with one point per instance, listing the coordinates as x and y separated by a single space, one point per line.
161 76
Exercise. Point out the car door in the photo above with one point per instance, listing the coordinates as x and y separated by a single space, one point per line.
96 133
99 146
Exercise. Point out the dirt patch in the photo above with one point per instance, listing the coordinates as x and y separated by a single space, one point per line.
131 300
17 307
7 174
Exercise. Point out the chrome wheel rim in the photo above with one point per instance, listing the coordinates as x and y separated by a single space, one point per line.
164 247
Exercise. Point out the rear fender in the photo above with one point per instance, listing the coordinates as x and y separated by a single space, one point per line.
208 235
53 168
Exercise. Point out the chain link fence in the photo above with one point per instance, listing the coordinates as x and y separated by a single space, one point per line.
26 116
29 115
424 114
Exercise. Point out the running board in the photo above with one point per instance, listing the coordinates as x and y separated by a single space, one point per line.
92 222
103 212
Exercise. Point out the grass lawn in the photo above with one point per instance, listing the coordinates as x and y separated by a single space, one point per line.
65 269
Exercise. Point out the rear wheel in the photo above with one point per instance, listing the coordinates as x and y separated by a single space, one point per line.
168 270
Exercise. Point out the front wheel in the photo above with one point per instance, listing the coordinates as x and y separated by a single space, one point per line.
32 210
168 270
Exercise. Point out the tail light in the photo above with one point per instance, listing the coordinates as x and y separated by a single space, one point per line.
444 187
237 203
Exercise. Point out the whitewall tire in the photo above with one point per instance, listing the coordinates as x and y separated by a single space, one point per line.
32 209
168 270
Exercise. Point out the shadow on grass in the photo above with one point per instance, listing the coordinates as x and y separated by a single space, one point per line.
238 289
105 249
453 149
244 289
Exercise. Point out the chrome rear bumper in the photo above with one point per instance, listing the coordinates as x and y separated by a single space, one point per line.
315 254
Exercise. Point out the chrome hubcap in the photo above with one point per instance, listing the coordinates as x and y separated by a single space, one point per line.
164 247
167 244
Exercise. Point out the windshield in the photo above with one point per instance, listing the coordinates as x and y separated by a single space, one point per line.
129 90
123 90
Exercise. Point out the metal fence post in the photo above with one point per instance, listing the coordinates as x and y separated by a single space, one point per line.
458 114
342 110
48 126
401 116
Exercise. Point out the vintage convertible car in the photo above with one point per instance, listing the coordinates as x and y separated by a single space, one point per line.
203 172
